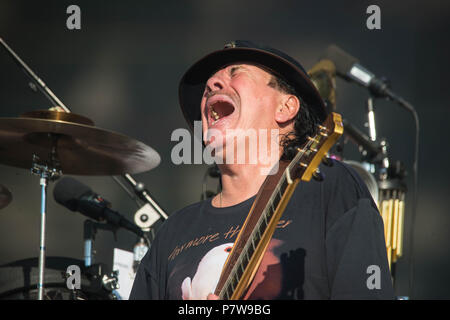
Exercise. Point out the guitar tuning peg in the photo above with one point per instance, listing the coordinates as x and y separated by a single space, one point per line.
317 175
312 139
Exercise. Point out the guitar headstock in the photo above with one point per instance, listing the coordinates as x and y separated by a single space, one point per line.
305 163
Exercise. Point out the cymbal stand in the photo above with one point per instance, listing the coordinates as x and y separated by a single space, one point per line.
47 172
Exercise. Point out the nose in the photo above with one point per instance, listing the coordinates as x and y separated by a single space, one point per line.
216 82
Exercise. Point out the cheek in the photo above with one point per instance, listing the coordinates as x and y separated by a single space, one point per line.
262 109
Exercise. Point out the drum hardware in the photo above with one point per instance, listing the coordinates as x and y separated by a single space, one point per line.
47 172
90 229
111 283
5 197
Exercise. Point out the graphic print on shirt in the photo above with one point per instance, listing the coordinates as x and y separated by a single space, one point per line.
206 268
210 268
207 275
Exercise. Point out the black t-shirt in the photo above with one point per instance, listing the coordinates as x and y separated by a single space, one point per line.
329 244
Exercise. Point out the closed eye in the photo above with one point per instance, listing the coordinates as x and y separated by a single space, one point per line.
234 69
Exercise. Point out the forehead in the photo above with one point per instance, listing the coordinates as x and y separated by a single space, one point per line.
248 66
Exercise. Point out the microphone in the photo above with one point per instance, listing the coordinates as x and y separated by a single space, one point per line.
348 68
76 196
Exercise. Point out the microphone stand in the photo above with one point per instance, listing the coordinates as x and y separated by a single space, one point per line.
371 119
40 84
138 187
144 194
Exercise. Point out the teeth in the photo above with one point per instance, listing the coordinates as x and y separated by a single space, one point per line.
214 113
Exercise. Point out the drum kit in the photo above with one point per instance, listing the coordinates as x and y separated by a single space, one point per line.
56 142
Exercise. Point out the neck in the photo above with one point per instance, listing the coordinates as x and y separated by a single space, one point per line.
239 183
242 181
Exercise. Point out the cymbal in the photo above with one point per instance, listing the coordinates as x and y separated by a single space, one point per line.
81 148
5 196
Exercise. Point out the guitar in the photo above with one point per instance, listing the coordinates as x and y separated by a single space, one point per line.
270 202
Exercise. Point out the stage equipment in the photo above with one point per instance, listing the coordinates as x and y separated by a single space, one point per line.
52 142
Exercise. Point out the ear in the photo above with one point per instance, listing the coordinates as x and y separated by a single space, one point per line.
287 109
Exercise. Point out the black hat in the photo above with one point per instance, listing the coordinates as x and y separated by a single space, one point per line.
192 85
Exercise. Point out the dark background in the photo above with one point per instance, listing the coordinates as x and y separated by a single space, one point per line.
122 71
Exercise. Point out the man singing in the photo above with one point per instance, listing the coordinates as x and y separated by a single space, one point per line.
329 243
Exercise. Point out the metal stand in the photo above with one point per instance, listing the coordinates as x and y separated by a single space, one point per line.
371 119
144 194
46 174
90 231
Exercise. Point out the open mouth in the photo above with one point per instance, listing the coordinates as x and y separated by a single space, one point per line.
218 110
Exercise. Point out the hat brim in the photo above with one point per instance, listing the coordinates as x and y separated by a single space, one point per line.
192 84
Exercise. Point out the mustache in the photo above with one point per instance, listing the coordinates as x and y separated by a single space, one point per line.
211 94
